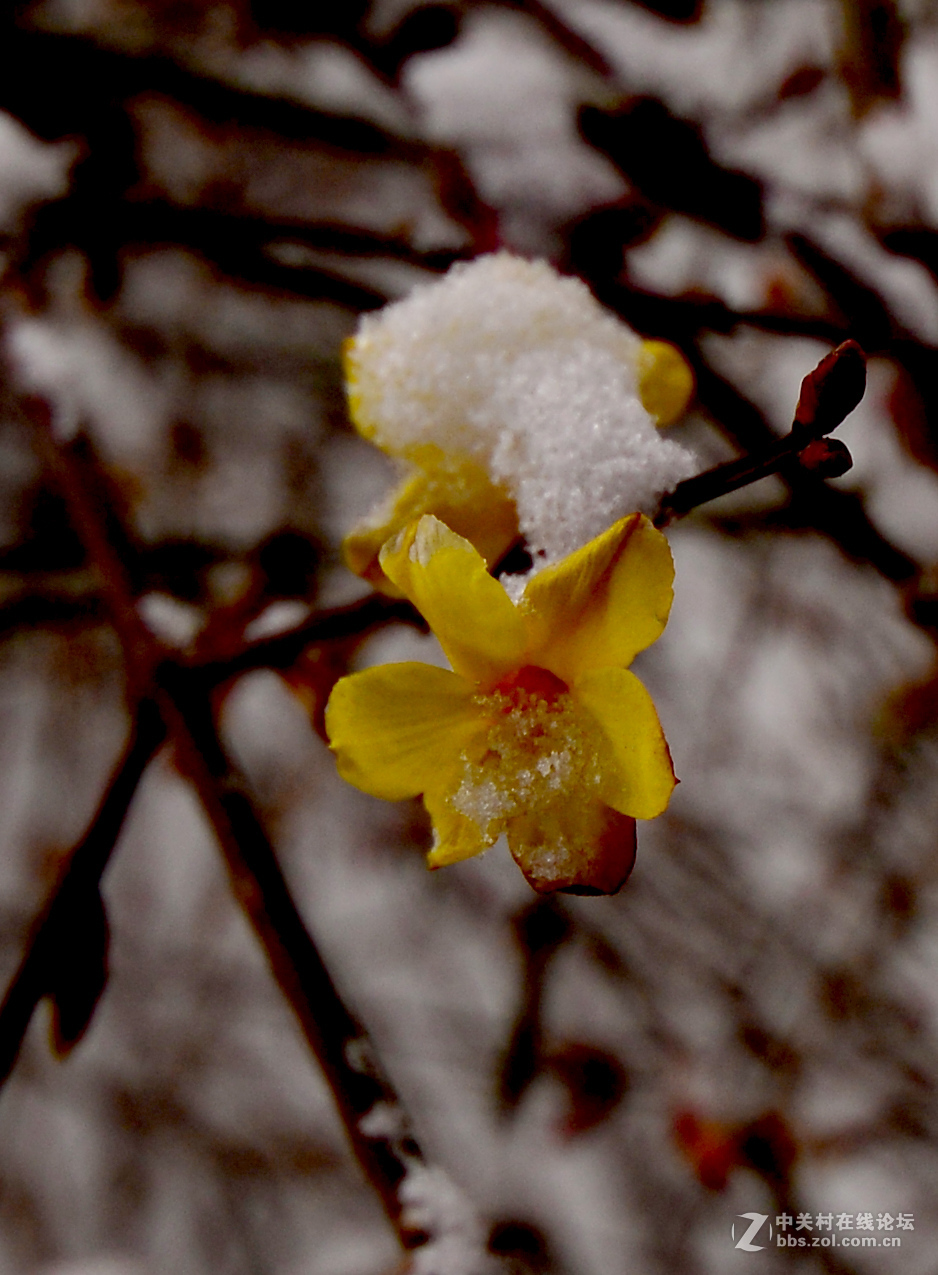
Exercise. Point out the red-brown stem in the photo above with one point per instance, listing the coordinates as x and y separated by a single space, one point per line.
79 880
338 1041
828 394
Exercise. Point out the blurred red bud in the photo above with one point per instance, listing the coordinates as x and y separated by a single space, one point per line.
831 392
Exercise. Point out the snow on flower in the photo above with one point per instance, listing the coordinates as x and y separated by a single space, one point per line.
520 404
539 731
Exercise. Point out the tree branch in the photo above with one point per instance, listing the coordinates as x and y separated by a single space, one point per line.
377 1125
48 948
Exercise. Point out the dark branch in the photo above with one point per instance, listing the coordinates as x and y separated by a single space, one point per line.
338 1041
284 649
49 952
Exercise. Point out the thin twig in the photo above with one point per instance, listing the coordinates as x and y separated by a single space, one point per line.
79 881
374 1117
282 650
33 610
828 394
338 1040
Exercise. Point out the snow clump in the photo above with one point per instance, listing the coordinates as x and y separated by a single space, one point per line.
505 361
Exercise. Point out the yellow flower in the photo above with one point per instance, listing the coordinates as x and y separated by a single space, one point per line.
539 730
457 489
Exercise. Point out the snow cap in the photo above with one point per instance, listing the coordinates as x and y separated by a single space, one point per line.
508 362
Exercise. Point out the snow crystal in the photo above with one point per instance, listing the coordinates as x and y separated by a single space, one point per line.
507 362
433 1203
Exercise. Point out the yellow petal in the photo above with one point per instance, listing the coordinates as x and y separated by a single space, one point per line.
477 624
455 836
640 780
665 381
580 847
604 603
361 546
399 729
455 490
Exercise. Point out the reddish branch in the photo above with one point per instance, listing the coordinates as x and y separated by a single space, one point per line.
174 700
36 608
62 959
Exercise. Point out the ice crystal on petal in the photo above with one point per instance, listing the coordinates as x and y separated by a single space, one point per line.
538 751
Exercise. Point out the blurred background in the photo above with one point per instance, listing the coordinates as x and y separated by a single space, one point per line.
197 199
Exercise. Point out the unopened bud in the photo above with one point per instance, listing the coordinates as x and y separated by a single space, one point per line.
832 390
826 457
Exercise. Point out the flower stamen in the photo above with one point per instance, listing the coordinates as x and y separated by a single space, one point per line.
532 681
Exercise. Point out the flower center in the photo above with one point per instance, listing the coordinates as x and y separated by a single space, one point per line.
539 749
532 681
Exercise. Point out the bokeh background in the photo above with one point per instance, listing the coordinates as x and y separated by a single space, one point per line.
197 199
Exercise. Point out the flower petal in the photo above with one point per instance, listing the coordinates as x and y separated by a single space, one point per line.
665 381
600 606
455 836
641 779
399 729
352 350
455 490
477 624
579 847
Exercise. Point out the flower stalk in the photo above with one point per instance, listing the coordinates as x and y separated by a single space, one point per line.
828 395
